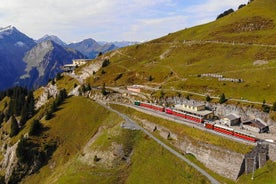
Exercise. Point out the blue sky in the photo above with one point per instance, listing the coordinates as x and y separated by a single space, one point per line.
109 20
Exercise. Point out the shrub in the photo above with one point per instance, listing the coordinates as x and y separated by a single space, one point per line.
14 127
274 106
150 78
58 77
96 159
227 12
48 115
36 128
208 98
106 62
222 98
241 6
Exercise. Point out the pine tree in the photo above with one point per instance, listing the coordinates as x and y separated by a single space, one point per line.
222 98
208 98
48 115
31 104
24 115
54 106
14 127
104 92
2 116
274 106
36 128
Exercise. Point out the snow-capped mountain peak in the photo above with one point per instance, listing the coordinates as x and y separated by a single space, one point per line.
8 28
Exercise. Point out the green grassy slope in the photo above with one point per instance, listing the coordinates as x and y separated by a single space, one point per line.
73 125
147 161
76 122
254 23
243 38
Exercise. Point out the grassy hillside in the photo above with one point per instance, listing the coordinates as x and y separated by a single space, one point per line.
72 132
97 132
238 46
254 23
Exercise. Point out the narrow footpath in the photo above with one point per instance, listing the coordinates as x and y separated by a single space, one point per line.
135 125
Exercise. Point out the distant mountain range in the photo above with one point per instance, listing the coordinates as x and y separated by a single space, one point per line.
30 63
89 47
13 46
52 38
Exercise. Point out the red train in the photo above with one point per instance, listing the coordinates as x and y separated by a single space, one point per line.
187 116
151 106
184 115
230 131
198 119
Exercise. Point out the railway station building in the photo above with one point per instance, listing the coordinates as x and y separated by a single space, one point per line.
194 108
231 120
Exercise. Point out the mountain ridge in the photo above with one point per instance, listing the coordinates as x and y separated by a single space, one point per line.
91 48
13 46
24 62
44 61
228 46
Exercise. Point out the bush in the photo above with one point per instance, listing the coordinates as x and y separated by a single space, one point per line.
150 78
222 98
36 128
104 92
48 115
208 98
58 77
2 116
266 108
14 127
96 159
274 106
106 62
227 12
241 6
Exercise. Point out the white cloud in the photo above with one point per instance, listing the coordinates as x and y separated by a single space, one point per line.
146 29
208 10
107 19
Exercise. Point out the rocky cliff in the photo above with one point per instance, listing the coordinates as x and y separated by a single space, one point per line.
44 61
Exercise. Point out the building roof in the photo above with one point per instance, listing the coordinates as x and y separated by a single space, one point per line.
256 123
201 113
193 103
232 116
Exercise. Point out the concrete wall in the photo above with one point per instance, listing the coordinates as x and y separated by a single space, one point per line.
222 161
225 162
272 152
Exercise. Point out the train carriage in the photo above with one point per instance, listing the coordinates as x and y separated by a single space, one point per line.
151 106
245 136
168 111
209 125
179 114
223 129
